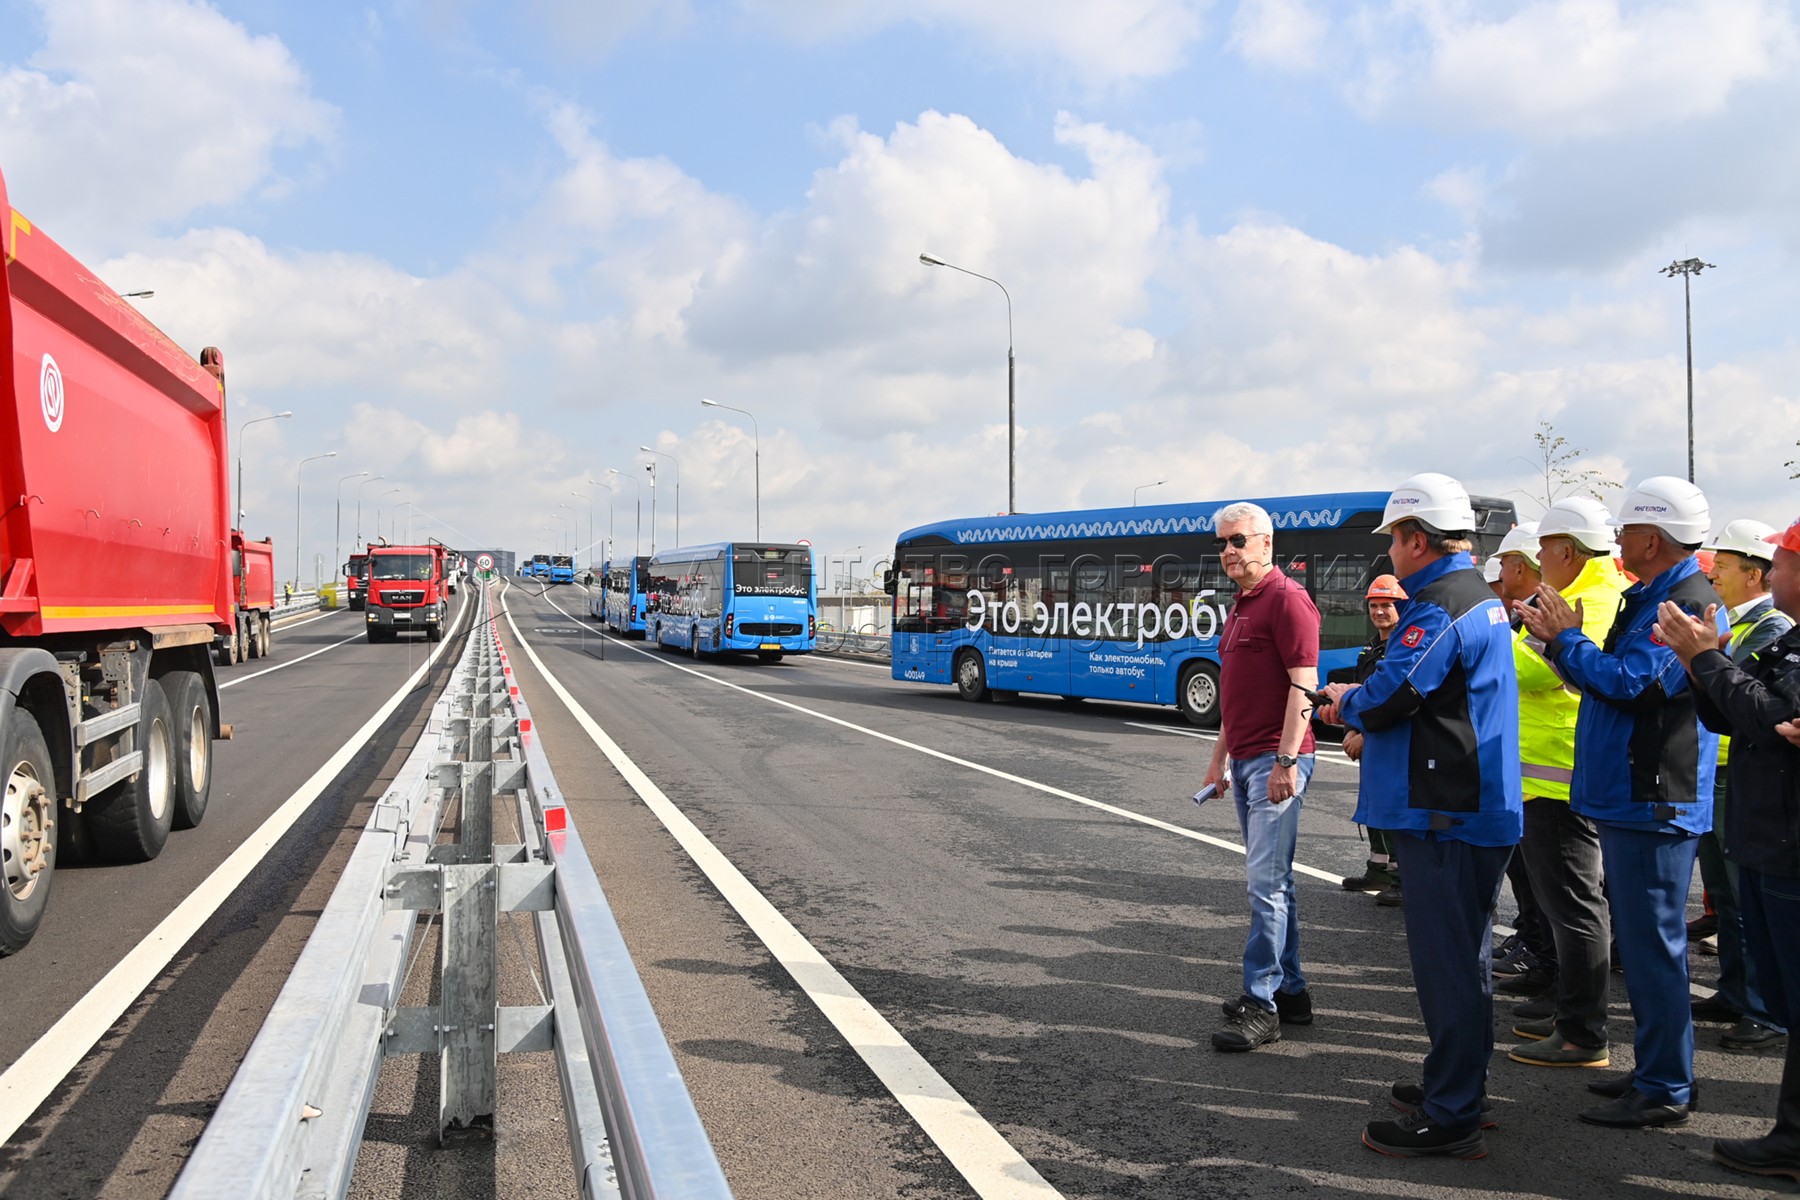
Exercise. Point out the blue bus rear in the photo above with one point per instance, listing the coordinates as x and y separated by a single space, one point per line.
562 568
622 603
734 597
1127 603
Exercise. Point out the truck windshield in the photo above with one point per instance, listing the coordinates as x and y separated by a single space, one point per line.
400 566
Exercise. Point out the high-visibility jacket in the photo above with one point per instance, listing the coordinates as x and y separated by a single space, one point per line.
1547 704
1759 625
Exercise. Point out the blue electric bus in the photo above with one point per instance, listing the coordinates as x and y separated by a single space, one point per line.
538 567
733 596
1124 603
562 568
621 602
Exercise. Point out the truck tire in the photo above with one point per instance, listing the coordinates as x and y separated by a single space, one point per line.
192 721
27 831
1197 696
267 635
971 676
252 637
130 821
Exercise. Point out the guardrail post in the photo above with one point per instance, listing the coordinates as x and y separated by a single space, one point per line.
468 1007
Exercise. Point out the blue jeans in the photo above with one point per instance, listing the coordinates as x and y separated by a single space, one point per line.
1647 875
1272 951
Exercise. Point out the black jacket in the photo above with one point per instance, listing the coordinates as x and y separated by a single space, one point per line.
1762 822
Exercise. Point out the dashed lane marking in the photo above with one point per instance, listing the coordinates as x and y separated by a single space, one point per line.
990 1164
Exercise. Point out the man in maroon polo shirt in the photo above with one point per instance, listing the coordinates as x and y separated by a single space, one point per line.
1270 643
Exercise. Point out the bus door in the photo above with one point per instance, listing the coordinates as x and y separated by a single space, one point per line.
930 609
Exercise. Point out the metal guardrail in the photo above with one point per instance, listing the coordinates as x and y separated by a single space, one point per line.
292 1121
832 642
303 602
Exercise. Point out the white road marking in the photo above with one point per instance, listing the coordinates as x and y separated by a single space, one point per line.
289 663
1318 752
990 1164
37 1072
1333 877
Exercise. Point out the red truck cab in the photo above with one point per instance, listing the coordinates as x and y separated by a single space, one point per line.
355 572
406 591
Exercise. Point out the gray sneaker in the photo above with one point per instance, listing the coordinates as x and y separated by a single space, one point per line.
1247 1026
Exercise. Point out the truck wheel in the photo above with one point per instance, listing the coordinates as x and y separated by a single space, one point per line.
247 629
222 651
971 676
265 637
130 821
1198 695
192 723
27 832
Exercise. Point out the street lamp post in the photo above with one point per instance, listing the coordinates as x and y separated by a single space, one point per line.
755 433
571 538
677 462
1140 487
337 535
297 473
359 489
650 468
1012 472
378 499
238 521
1687 267
637 541
609 516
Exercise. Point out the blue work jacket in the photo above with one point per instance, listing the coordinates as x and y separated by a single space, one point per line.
1440 714
1643 760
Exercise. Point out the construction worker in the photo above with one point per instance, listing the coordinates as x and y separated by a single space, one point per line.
1561 849
1759 701
1382 875
1440 719
1742 557
1644 774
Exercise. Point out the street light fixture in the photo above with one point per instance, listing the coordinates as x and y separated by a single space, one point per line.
757 434
1686 267
145 295
337 535
677 462
1140 487
650 469
297 473
637 542
1012 472
240 459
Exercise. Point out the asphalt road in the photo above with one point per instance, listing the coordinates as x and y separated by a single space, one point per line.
974 872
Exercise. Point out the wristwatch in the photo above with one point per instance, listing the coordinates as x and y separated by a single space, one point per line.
1287 760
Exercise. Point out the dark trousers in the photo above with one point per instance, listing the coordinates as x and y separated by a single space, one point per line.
1771 909
1533 926
1563 852
1450 891
1649 873
1740 978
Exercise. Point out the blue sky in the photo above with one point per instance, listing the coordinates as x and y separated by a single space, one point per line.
1258 247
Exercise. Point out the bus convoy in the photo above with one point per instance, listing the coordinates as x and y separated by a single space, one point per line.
1123 603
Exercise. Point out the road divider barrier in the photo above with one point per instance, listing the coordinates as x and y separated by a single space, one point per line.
292 1121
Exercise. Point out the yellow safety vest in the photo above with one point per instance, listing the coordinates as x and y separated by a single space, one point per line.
1547 705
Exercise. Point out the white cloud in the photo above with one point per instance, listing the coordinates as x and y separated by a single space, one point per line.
137 113
1288 35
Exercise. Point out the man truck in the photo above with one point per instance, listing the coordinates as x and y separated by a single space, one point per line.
115 574
407 591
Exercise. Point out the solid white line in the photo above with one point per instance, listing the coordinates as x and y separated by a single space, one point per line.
276 624
289 663
1179 830
1337 756
36 1073
990 1164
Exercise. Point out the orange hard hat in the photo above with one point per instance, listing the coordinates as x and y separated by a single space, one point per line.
1787 539
1385 587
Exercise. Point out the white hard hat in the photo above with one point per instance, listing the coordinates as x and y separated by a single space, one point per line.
1748 538
1523 540
1674 506
1582 518
1490 570
1430 499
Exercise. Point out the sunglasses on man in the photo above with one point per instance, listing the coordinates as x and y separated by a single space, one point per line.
1237 541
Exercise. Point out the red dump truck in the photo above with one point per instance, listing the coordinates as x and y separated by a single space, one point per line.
253 600
407 591
115 575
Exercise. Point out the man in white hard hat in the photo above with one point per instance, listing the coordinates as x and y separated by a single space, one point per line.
1742 557
1440 722
1561 848
1759 701
1644 768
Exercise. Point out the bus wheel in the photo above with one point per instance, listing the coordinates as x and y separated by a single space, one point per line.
193 745
27 832
1198 695
130 821
971 676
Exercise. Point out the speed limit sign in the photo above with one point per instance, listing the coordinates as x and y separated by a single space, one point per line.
484 562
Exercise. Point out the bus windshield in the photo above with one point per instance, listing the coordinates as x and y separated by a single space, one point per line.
771 570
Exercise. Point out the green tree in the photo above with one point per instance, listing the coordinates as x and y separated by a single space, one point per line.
1556 463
